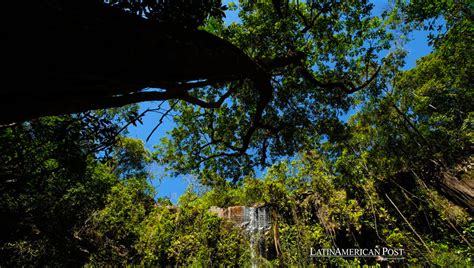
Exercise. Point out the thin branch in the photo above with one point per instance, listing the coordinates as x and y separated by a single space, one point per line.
161 120
111 140
211 105
348 87
310 24
283 61
411 227
364 85
138 117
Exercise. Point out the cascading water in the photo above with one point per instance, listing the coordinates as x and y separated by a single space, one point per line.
255 222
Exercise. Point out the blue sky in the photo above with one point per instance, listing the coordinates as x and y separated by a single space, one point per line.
173 187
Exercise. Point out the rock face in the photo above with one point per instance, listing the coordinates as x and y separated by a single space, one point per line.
251 219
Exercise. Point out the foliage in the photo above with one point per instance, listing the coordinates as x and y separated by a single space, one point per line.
54 174
50 182
164 234
186 14
397 174
315 54
116 226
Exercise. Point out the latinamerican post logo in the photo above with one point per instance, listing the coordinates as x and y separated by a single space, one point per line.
382 253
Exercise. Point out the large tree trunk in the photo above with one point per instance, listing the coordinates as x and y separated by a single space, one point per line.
63 57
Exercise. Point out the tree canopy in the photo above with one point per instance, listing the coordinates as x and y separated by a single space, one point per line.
267 91
317 53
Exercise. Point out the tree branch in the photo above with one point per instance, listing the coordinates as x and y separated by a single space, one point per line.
160 121
348 86
279 62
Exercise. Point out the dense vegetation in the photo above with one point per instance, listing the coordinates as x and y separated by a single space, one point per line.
75 190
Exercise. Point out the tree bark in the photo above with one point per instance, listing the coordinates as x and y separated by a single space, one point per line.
62 57
460 191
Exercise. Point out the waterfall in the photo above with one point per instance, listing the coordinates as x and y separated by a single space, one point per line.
256 219
252 229
255 222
